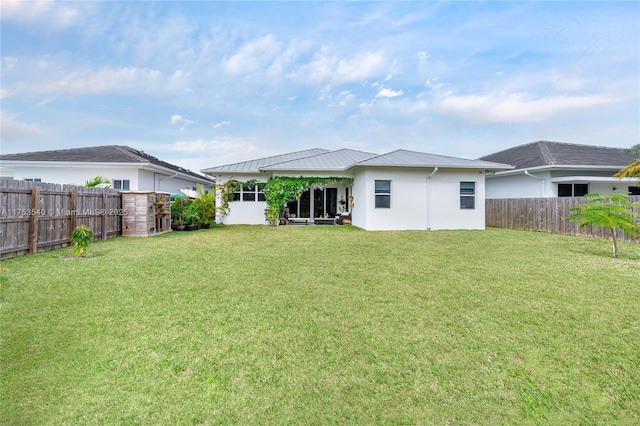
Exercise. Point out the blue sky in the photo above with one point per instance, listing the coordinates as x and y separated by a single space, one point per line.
205 83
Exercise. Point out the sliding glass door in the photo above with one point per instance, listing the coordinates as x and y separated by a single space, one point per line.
324 201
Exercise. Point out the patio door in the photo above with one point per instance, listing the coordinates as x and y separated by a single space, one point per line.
325 201
301 207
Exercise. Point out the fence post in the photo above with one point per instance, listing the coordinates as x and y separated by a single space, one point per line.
33 220
74 210
105 206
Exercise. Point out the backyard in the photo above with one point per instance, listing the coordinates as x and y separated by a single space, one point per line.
317 325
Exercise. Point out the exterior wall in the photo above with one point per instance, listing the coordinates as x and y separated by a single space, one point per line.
75 175
153 181
417 202
523 186
252 212
445 211
520 186
139 179
242 212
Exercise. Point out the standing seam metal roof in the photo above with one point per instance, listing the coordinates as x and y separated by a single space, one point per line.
405 158
254 166
340 159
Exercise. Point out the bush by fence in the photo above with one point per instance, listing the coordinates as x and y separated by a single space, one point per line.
544 215
41 216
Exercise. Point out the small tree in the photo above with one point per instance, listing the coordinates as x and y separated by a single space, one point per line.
81 237
612 211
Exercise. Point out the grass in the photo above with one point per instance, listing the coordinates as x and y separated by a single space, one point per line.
324 325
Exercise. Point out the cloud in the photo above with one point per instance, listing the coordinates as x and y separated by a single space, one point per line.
221 124
54 14
325 67
175 119
253 56
388 93
107 80
220 151
518 107
13 130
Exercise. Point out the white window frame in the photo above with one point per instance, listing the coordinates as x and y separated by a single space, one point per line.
380 193
121 184
468 195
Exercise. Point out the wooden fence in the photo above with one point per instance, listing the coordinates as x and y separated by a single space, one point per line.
41 216
544 215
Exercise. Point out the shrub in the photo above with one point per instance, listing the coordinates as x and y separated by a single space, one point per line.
81 237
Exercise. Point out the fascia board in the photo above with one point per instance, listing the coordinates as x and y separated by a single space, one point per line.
73 164
554 167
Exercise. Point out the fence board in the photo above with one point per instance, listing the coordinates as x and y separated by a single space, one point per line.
40 216
545 215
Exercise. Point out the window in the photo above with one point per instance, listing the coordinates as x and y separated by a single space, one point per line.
250 192
383 194
33 179
467 195
122 184
260 187
573 189
634 190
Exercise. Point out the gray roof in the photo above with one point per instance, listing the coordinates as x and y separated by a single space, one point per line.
344 159
254 166
338 160
99 154
544 153
404 158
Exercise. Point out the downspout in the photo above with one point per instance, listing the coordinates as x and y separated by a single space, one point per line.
435 170
168 177
544 191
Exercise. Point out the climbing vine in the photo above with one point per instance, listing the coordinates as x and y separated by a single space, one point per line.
278 191
281 190
226 191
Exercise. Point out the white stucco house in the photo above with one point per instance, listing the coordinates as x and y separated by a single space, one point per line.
555 169
127 168
400 190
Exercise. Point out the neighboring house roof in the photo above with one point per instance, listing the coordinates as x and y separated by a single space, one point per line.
344 159
544 153
338 160
404 158
254 166
100 154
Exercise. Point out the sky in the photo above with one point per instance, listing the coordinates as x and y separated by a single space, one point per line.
206 83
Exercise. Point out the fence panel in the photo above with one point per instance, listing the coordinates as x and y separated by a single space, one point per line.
41 216
545 215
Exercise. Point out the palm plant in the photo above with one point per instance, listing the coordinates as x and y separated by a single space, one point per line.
611 211
98 181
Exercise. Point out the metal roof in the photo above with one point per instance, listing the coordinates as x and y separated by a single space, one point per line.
544 153
338 160
254 166
404 158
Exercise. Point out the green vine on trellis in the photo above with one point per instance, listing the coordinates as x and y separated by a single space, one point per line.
281 190
278 191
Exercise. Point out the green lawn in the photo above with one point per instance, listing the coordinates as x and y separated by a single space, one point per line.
324 325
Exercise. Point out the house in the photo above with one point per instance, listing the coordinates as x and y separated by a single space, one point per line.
555 169
128 168
400 190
